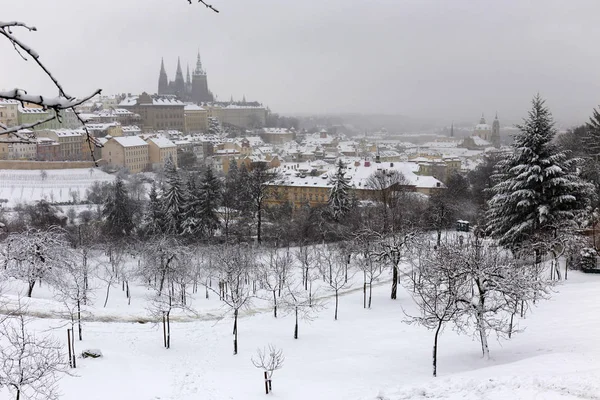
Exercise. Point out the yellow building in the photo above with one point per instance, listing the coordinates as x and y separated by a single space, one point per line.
240 116
70 142
160 149
9 112
195 119
130 152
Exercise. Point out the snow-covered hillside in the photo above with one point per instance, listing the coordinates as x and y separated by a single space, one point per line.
57 185
366 354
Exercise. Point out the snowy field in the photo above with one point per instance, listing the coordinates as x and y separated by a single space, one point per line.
366 354
57 185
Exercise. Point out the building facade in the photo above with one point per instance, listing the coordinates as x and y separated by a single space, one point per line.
195 119
157 112
130 152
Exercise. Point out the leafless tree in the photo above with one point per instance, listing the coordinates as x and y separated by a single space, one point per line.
273 271
234 264
365 247
385 187
269 360
31 366
308 258
333 264
34 255
393 249
433 288
302 303
72 287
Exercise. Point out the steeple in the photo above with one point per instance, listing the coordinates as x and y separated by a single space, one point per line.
188 81
482 120
179 82
163 80
496 132
244 99
199 70
452 129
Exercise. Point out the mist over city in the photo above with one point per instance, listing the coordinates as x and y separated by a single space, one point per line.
353 200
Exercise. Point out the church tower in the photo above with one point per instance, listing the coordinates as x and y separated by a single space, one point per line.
200 92
163 81
496 132
179 86
452 130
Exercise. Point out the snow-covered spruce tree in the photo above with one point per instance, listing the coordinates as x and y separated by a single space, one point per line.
191 224
591 140
173 199
539 194
210 200
117 211
340 199
153 222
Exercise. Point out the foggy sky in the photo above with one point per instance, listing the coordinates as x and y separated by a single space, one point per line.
444 59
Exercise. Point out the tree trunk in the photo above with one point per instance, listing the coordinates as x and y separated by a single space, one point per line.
336 304
107 293
164 330
435 347
274 304
370 293
30 288
439 237
394 282
168 329
235 344
79 319
258 223
481 328
296 327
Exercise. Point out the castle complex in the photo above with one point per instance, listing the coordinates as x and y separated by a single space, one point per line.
488 133
188 90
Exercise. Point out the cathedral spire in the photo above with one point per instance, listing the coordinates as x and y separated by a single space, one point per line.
163 80
452 129
188 81
179 84
199 70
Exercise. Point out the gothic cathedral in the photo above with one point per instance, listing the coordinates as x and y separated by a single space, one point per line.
190 90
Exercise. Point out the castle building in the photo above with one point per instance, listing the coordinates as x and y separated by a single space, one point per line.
194 89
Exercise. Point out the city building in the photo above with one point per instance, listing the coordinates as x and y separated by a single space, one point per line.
239 115
490 134
130 152
31 115
277 135
157 112
195 119
71 142
160 149
9 112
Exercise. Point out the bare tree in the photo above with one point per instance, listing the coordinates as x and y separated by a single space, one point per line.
385 187
308 258
334 268
31 365
365 247
234 264
393 250
433 288
269 360
273 272
33 255
302 303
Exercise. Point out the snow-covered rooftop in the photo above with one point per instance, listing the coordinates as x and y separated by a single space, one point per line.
130 141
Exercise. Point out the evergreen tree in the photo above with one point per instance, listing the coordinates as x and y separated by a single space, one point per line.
173 200
117 211
591 139
539 191
154 218
191 224
210 201
340 199
213 126
229 200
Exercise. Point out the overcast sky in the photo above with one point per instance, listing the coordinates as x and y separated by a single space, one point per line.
448 59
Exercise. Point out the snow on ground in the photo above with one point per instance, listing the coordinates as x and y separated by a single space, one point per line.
56 185
366 354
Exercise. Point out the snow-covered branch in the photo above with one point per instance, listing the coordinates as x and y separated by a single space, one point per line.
209 6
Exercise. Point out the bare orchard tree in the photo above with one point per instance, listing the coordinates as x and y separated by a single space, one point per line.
34 255
385 187
72 288
302 303
492 281
333 264
269 360
433 289
31 365
366 255
308 258
235 262
274 270
392 250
